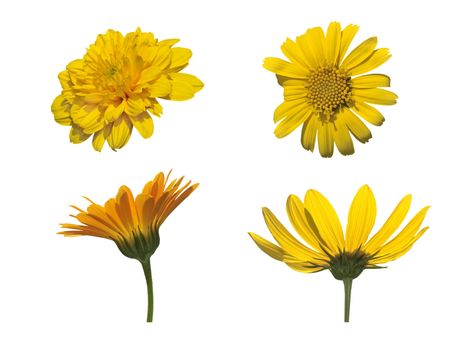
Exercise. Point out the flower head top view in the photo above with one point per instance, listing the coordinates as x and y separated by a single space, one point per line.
347 254
133 223
325 91
115 86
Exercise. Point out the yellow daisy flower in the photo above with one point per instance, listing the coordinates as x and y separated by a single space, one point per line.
344 255
116 84
133 223
323 89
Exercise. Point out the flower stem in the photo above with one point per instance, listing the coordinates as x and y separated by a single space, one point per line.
148 274
347 297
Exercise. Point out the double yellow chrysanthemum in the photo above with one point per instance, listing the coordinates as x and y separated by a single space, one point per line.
345 255
323 89
112 89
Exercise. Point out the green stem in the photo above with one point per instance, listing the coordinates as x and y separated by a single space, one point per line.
147 273
347 297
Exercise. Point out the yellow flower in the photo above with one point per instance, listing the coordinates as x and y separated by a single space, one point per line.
114 86
322 89
133 223
345 255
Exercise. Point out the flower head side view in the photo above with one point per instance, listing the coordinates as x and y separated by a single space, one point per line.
133 223
328 248
323 89
112 89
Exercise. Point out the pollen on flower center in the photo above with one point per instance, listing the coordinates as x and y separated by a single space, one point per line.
328 89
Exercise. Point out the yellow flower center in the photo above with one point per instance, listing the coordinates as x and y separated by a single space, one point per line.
328 90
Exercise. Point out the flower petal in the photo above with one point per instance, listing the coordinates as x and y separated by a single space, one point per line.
378 57
361 219
314 39
310 126
370 81
267 247
144 124
325 140
347 35
309 233
333 42
326 220
342 139
294 54
284 68
376 96
290 123
287 242
359 54
390 226
288 108
356 126
120 133
369 113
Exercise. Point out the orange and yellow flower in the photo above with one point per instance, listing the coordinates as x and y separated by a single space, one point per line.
112 89
133 223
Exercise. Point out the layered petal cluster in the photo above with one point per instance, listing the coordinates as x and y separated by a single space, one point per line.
132 222
324 88
327 246
115 86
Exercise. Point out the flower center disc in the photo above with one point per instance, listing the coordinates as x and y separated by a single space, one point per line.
328 90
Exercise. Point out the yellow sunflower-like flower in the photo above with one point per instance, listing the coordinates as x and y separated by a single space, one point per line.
345 255
323 89
133 223
116 84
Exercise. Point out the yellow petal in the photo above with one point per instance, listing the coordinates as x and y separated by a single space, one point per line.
287 242
61 110
325 140
347 35
378 57
315 41
292 92
310 127
180 58
371 81
361 219
309 233
267 247
326 220
369 113
333 42
288 108
294 54
134 106
77 134
376 96
120 133
155 108
302 266
390 226
160 88
399 252
356 126
342 139
359 54
401 240
144 124
196 83
113 112
98 140
284 68
292 122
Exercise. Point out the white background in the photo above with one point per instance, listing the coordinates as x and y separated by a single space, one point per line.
214 288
